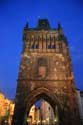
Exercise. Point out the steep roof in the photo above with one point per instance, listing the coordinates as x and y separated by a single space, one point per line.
43 24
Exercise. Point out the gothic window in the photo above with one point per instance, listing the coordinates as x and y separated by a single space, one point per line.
49 46
32 47
48 42
53 46
37 46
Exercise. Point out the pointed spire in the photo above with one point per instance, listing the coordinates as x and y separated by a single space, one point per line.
59 26
27 25
60 29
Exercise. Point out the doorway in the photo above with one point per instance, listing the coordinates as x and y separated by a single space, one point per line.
42 113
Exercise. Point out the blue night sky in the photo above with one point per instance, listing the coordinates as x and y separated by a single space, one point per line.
13 16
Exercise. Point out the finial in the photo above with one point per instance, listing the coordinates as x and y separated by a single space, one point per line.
27 25
60 29
59 26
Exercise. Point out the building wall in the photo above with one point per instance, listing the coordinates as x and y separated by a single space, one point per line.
81 95
6 109
80 103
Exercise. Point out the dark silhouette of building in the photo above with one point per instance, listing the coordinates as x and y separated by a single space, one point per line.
46 72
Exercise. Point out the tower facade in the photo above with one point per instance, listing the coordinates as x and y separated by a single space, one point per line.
46 72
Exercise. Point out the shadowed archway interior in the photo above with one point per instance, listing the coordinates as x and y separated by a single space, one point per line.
44 93
42 113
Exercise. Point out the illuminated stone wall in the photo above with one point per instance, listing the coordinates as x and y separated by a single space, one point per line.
6 109
46 65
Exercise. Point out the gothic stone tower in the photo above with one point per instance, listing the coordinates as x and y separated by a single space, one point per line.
46 72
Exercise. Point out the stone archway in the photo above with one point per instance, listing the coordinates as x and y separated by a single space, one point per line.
48 96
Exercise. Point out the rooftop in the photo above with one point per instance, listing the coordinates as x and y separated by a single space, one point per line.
42 24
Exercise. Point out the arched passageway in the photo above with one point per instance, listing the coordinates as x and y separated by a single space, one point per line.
48 96
41 113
